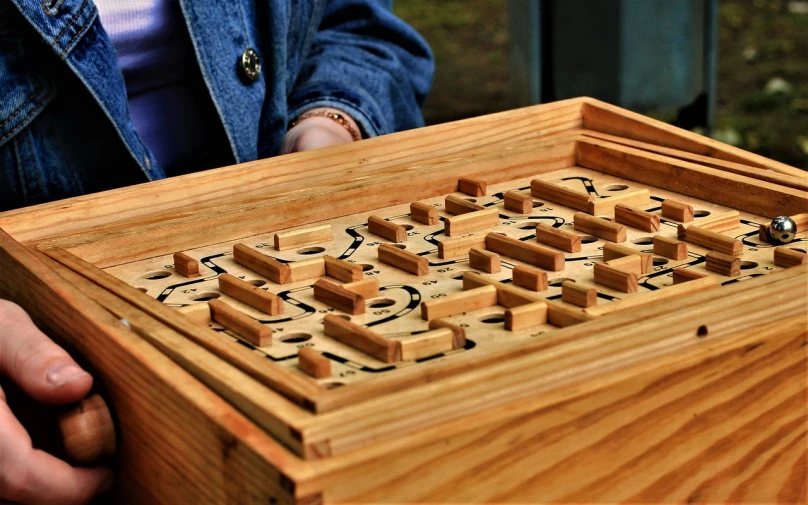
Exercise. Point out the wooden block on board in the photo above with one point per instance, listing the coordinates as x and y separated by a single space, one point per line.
362 339
517 202
598 227
471 222
612 251
636 218
313 363
250 294
186 265
451 248
579 294
338 297
670 248
625 282
763 233
670 293
525 251
677 211
561 195
787 257
711 240
563 315
261 264
306 269
424 213
528 277
631 263
424 345
368 288
240 323
507 295
471 186
558 238
683 274
403 260
526 316
457 303
723 264
634 197
458 331
487 261
387 230
199 312
301 238
342 270
717 222
456 205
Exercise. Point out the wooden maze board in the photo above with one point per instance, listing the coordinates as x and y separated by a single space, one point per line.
693 391
396 313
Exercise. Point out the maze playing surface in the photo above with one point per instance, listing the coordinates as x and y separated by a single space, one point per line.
395 313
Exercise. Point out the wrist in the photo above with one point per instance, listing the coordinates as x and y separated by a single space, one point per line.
334 116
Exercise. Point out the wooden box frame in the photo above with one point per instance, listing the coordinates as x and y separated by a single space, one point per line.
255 434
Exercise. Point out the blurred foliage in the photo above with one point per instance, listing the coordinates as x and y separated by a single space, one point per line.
759 41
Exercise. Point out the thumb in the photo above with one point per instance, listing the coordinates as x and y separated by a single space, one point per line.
37 365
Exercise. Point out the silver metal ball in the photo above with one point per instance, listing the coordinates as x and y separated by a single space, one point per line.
783 229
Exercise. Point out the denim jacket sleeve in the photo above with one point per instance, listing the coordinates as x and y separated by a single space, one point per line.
368 63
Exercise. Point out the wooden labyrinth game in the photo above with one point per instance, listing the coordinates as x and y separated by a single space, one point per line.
568 302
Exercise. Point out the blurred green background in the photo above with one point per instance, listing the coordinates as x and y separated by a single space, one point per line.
762 96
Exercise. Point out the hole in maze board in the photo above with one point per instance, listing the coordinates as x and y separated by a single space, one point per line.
557 282
643 241
153 276
257 282
660 261
407 227
400 246
493 318
367 267
537 204
701 213
295 338
333 385
588 239
379 303
616 187
311 250
203 297
472 200
528 226
459 275
748 265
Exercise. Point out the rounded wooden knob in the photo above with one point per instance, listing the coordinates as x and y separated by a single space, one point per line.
87 431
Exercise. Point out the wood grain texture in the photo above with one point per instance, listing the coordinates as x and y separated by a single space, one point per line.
599 227
300 238
240 324
518 202
471 186
560 239
636 218
527 252
186 265
403 260
423 213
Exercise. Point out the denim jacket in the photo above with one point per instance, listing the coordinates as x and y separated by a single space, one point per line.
65 128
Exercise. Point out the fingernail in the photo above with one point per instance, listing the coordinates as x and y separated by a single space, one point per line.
62 373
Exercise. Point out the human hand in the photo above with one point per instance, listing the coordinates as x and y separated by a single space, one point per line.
46 373
314 132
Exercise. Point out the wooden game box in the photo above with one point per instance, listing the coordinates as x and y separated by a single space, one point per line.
656 357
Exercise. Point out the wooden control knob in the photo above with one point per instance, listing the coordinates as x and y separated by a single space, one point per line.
87 431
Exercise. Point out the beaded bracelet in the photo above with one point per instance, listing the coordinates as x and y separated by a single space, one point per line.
335 116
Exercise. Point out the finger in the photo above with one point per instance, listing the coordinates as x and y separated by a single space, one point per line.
32 476
41 368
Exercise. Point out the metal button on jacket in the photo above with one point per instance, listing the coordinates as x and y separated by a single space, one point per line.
250 64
